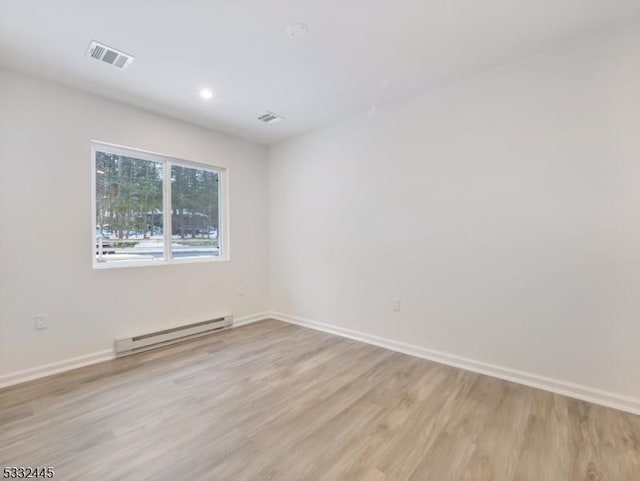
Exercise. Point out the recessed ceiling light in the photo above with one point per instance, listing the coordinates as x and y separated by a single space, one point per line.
206 94
297 30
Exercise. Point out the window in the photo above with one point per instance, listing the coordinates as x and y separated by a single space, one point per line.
150 209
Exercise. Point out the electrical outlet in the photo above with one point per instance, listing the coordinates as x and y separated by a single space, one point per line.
40 322
240 290
395 304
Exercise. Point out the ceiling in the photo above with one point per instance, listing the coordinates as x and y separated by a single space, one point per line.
358 53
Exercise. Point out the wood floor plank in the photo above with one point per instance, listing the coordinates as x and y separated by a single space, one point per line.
272 401
466 417
545 448
498 449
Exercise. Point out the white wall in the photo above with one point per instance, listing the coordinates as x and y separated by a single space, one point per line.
45 227
504 210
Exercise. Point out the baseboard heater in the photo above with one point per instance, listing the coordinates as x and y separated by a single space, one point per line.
154 340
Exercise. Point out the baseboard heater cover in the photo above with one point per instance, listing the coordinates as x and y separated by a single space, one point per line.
153 340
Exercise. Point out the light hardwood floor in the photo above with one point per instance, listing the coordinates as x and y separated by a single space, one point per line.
271 401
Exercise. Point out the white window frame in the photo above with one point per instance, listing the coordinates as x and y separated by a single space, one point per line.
167 162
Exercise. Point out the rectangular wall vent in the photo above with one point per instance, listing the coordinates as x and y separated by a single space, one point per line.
270 118
109 55
153 340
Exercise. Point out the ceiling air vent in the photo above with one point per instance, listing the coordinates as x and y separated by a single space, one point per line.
270 118
109 55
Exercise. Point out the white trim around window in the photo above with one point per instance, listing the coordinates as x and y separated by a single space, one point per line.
115 259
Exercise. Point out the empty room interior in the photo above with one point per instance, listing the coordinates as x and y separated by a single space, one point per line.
300 240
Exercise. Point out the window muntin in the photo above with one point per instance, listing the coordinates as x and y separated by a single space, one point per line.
151 209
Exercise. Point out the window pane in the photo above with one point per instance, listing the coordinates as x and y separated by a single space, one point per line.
129 213
195 212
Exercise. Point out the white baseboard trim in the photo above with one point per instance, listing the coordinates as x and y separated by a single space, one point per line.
584 393
25 375
243 321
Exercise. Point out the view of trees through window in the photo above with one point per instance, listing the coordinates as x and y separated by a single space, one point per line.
130 217
194 202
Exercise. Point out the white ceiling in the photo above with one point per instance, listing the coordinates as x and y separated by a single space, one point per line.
359 53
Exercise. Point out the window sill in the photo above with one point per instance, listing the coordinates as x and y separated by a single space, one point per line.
134 263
